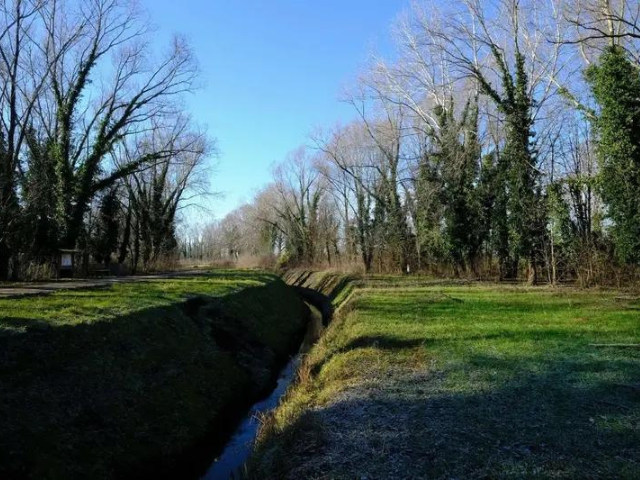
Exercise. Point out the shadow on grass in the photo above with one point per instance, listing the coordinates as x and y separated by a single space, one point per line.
99 399
380 342
125 397
563 337
433 306
523 395
545 422
384 342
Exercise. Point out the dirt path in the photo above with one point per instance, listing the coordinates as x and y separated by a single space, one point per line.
46 288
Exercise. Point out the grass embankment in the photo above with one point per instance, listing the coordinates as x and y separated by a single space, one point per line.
334 286
463 381
112 382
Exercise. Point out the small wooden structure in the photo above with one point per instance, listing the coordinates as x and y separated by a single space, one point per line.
66 262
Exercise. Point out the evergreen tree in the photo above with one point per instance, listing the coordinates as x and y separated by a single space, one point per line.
615 83
458 153
39 198
518 200
522 202
105 239
9 209
428 211
561 231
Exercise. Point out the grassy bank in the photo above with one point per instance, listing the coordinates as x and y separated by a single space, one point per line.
112 382
335 286
457 381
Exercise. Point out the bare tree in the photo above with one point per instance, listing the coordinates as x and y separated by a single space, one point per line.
350 166
91 105
158 189
22 76
384 120
299 191
595 23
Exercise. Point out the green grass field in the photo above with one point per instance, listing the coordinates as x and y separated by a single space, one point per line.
80 306
461 381
116 382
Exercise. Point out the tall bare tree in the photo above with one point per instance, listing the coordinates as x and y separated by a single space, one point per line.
23 72
157 192
104 85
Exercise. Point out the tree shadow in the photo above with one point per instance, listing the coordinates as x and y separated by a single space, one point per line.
128 396
536 424
569 410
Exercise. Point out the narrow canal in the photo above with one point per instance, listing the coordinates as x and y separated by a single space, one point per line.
229 464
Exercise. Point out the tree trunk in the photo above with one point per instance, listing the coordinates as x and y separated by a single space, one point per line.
553 264
508 269
126 237
4 260
136 248
367 259
532 277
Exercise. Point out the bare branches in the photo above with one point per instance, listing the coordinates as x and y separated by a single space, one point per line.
104 84
122 103
87 100
610 20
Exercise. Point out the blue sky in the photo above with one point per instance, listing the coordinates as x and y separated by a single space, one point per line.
273 70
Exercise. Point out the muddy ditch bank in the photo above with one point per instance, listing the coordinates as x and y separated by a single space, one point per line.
149 394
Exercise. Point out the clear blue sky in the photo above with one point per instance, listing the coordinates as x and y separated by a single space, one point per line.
273 70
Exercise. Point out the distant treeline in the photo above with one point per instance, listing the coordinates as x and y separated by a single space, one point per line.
503 140
96 152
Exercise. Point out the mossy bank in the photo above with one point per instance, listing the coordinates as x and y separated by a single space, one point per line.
125 381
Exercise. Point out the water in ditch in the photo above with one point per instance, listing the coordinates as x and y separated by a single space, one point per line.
229 464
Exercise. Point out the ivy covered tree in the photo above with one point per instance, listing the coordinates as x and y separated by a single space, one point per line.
456 160
615 83
518 219
521 176
9 209
80 83
39 201
104 241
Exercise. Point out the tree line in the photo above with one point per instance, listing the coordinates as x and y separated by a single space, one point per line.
97 153
502 141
